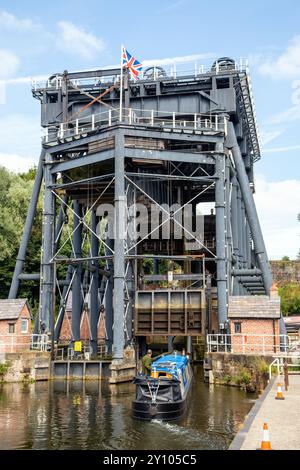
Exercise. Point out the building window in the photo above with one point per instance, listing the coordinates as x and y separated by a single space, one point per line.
24 325
237 327
11 327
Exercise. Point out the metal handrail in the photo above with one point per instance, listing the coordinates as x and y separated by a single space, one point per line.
145 117
12 342
190 68
247 343
278 362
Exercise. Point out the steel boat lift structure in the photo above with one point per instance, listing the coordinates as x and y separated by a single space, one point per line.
183 137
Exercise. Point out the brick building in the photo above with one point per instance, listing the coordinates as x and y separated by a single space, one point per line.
15 325
66 329
254 323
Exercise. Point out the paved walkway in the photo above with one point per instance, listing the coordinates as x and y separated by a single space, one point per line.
282 417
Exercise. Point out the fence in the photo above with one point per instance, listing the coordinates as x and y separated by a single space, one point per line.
183 68
67 353
12 343
145 117
248 343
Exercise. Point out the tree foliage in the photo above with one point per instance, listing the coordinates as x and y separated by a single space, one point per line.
15 194
290 298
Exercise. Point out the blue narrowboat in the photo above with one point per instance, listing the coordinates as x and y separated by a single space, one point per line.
163 394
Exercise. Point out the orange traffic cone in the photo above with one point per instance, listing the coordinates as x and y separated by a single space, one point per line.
265 443
279 394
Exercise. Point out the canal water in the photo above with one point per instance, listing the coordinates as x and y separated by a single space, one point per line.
94 415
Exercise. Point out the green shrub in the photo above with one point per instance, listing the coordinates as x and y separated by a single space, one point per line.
227 378
4 366
245 377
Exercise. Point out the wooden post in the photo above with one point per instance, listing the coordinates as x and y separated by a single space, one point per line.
286 376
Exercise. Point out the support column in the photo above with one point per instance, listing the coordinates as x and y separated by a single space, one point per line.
189 345
220 236
76 288
240 229
47 280
252 216
235 232
248 236
13 292
60 221
170 343
244 235
109 318
129 317
130 267
119 258
229 248
62 307
94 270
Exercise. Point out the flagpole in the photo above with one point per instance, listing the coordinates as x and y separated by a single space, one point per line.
121 86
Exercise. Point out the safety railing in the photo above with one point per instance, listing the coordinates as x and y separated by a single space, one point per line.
278 365
11 342
239 343
55 83
165 119
68 353
154 70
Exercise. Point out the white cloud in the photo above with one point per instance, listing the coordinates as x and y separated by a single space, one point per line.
172 6
26 80
288 148
293 112
267 136
12 23
17 163
20 134
287 65
278 204
179 59
9 63
75 40
289 115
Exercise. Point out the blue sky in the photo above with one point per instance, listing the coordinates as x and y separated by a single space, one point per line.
39 39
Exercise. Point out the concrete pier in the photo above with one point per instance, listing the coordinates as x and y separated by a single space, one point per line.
282 417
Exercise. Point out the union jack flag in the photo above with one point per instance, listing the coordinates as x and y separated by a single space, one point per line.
132 64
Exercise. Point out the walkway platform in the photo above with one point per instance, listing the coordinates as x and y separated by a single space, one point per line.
282 417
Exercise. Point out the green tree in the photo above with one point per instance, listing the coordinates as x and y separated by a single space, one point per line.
290 298
15 194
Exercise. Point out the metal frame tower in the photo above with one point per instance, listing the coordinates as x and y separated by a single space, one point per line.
184 138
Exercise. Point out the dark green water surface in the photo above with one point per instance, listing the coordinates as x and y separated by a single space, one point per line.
95 415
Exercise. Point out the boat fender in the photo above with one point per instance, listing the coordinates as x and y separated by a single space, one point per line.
153 410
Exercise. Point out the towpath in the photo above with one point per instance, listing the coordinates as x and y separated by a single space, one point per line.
282 417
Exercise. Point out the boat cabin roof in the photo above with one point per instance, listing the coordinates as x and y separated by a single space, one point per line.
170 363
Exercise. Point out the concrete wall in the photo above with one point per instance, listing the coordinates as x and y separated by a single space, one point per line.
26 366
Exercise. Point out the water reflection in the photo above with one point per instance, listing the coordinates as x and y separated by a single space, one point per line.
94 415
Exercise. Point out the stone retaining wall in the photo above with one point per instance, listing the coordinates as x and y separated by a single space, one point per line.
25 366
249 372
